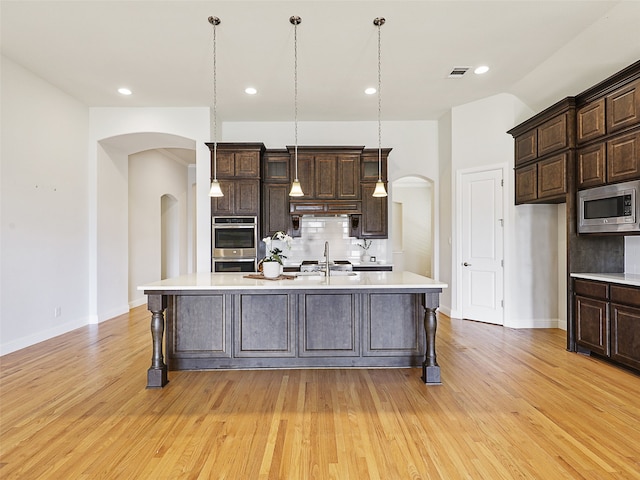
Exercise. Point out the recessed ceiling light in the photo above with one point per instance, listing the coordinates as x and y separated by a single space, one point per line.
250 91
370 91
124 91
481 69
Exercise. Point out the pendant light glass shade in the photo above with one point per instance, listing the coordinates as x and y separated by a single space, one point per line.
296 188
215 190
380 190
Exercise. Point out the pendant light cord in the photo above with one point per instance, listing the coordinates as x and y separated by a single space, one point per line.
295 92
380 22
215 21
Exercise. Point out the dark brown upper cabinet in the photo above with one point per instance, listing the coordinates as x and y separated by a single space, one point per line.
238 171
237 159
599 130
608 129
590 121
623 107
553 134
623 158
543 154
275 166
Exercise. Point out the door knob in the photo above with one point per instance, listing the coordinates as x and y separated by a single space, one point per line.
466 264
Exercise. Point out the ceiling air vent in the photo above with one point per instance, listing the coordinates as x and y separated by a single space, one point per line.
458 72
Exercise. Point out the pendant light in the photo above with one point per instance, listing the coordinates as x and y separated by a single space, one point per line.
296 189
215 190
379 191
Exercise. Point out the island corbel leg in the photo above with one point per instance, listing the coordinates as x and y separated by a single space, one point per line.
157 373
430 367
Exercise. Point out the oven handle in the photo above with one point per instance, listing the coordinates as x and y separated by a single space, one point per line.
233 226
232 259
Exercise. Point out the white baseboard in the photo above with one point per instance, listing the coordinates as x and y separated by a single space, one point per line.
137 302
114 312
27 341
534 323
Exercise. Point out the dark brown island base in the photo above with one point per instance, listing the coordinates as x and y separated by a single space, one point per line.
229 321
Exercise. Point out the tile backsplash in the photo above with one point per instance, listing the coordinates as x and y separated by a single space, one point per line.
335 230
632 255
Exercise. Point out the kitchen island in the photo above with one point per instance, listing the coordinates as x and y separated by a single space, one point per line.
230 321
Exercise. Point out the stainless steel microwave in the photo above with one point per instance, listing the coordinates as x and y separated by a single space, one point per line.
609 209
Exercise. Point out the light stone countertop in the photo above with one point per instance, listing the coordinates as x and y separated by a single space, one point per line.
632 279
238 281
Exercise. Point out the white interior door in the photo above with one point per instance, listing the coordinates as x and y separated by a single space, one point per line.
482 246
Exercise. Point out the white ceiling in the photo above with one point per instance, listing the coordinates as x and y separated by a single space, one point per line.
540 51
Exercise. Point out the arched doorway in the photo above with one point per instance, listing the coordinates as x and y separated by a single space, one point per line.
129 245
412 225
159 217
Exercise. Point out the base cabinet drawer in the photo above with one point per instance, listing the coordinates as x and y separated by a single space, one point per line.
625 335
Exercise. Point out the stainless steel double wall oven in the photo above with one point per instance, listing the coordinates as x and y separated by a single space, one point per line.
234 243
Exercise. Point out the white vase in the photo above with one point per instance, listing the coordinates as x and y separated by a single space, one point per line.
365 258
271 269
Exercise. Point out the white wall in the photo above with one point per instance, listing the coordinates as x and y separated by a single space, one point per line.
152 175
114 134
444 261
416 224
110 257
44 214
562 265
478 139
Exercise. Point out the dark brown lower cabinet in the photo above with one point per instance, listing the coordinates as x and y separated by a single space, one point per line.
625 335
592 324
607 320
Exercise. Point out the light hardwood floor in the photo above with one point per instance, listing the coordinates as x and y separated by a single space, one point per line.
513 404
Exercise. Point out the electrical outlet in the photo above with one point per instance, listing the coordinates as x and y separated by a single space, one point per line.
57 312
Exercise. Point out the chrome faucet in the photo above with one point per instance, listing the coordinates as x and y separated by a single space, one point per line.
327 270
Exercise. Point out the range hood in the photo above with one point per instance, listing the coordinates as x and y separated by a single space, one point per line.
354 220
317 207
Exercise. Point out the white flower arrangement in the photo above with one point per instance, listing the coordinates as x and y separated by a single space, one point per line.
274 254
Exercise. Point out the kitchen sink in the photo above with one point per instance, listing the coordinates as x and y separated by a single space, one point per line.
334 273
337 267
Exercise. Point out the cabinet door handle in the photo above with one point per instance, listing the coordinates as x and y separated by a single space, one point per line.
466 264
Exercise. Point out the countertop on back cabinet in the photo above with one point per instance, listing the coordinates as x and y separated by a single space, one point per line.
632 279
238 281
